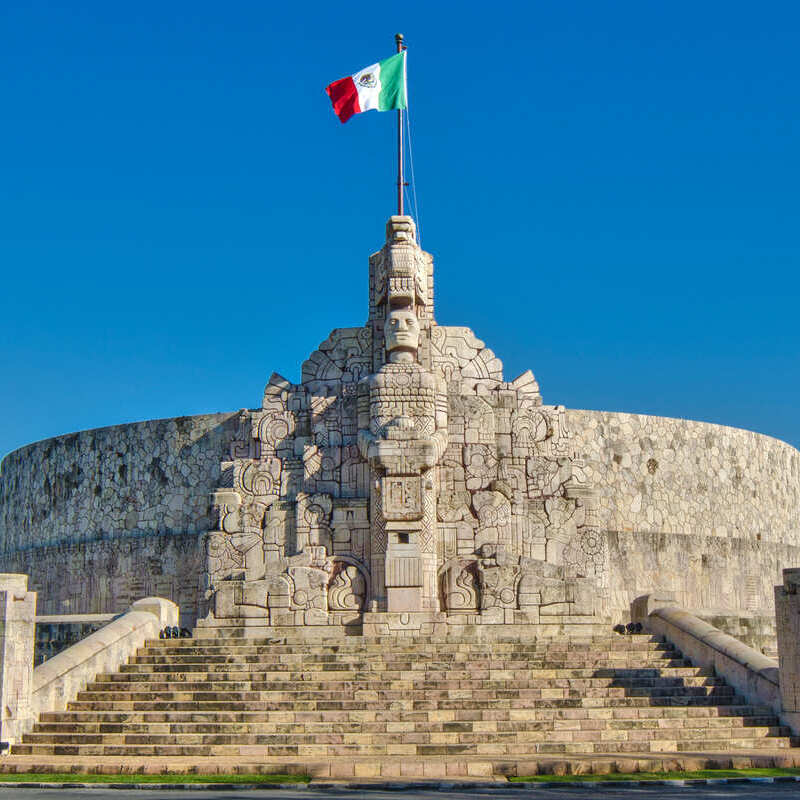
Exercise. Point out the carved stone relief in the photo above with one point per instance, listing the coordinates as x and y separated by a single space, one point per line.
460 587
402 474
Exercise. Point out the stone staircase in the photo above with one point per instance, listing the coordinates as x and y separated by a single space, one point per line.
390 698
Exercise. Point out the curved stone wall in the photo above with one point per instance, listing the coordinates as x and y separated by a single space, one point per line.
709 512
102 517
106 516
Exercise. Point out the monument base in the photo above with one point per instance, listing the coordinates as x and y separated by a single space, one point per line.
422 625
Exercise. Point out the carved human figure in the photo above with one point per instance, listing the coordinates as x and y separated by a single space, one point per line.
405 403
403 435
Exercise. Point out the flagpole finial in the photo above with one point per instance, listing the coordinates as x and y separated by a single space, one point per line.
398 37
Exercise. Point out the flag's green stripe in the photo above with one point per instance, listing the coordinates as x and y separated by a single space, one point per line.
393 83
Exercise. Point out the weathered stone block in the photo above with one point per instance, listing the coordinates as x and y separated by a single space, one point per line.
787 616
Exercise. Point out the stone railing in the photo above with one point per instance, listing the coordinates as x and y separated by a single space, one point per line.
57 632
25 691
756 629
752 674
59 679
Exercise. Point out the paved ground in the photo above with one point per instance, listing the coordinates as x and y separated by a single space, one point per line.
776 791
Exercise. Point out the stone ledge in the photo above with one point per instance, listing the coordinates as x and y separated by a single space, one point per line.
344 769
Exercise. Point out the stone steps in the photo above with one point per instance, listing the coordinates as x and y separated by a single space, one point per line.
753 725
444 650
345 669
359 705
382 671
638 656
492 715
462 641
243 685
593 744
441 651
459 767
369 744
417 677
254 672
255 699
390 696
141 701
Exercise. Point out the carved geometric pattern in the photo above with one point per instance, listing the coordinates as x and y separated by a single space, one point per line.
461 588
273 428
586 555
259 478
347 588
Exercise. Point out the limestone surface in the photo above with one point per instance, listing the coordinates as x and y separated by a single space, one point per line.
101 518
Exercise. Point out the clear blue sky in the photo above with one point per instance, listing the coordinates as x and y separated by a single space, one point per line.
610 190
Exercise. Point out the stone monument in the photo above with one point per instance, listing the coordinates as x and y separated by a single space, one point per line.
403 480
404 485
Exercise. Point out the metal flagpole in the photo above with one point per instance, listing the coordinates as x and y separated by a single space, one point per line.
398 38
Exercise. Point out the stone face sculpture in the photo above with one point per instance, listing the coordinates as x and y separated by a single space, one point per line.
403 476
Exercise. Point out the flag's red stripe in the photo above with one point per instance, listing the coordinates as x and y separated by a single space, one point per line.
344 97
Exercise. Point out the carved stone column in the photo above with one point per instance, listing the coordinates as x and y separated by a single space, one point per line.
403 444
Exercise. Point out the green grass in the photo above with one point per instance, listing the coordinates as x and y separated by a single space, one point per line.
660 776
75 777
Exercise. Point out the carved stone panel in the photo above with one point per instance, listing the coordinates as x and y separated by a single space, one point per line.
402 497
403 571
347 589
461 588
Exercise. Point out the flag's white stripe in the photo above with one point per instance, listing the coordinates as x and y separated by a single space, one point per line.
368 86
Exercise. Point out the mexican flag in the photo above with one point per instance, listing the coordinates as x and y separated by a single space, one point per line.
380 86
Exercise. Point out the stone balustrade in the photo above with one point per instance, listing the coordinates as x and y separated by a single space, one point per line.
752 674
59 679
57 632
755 676
25 691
